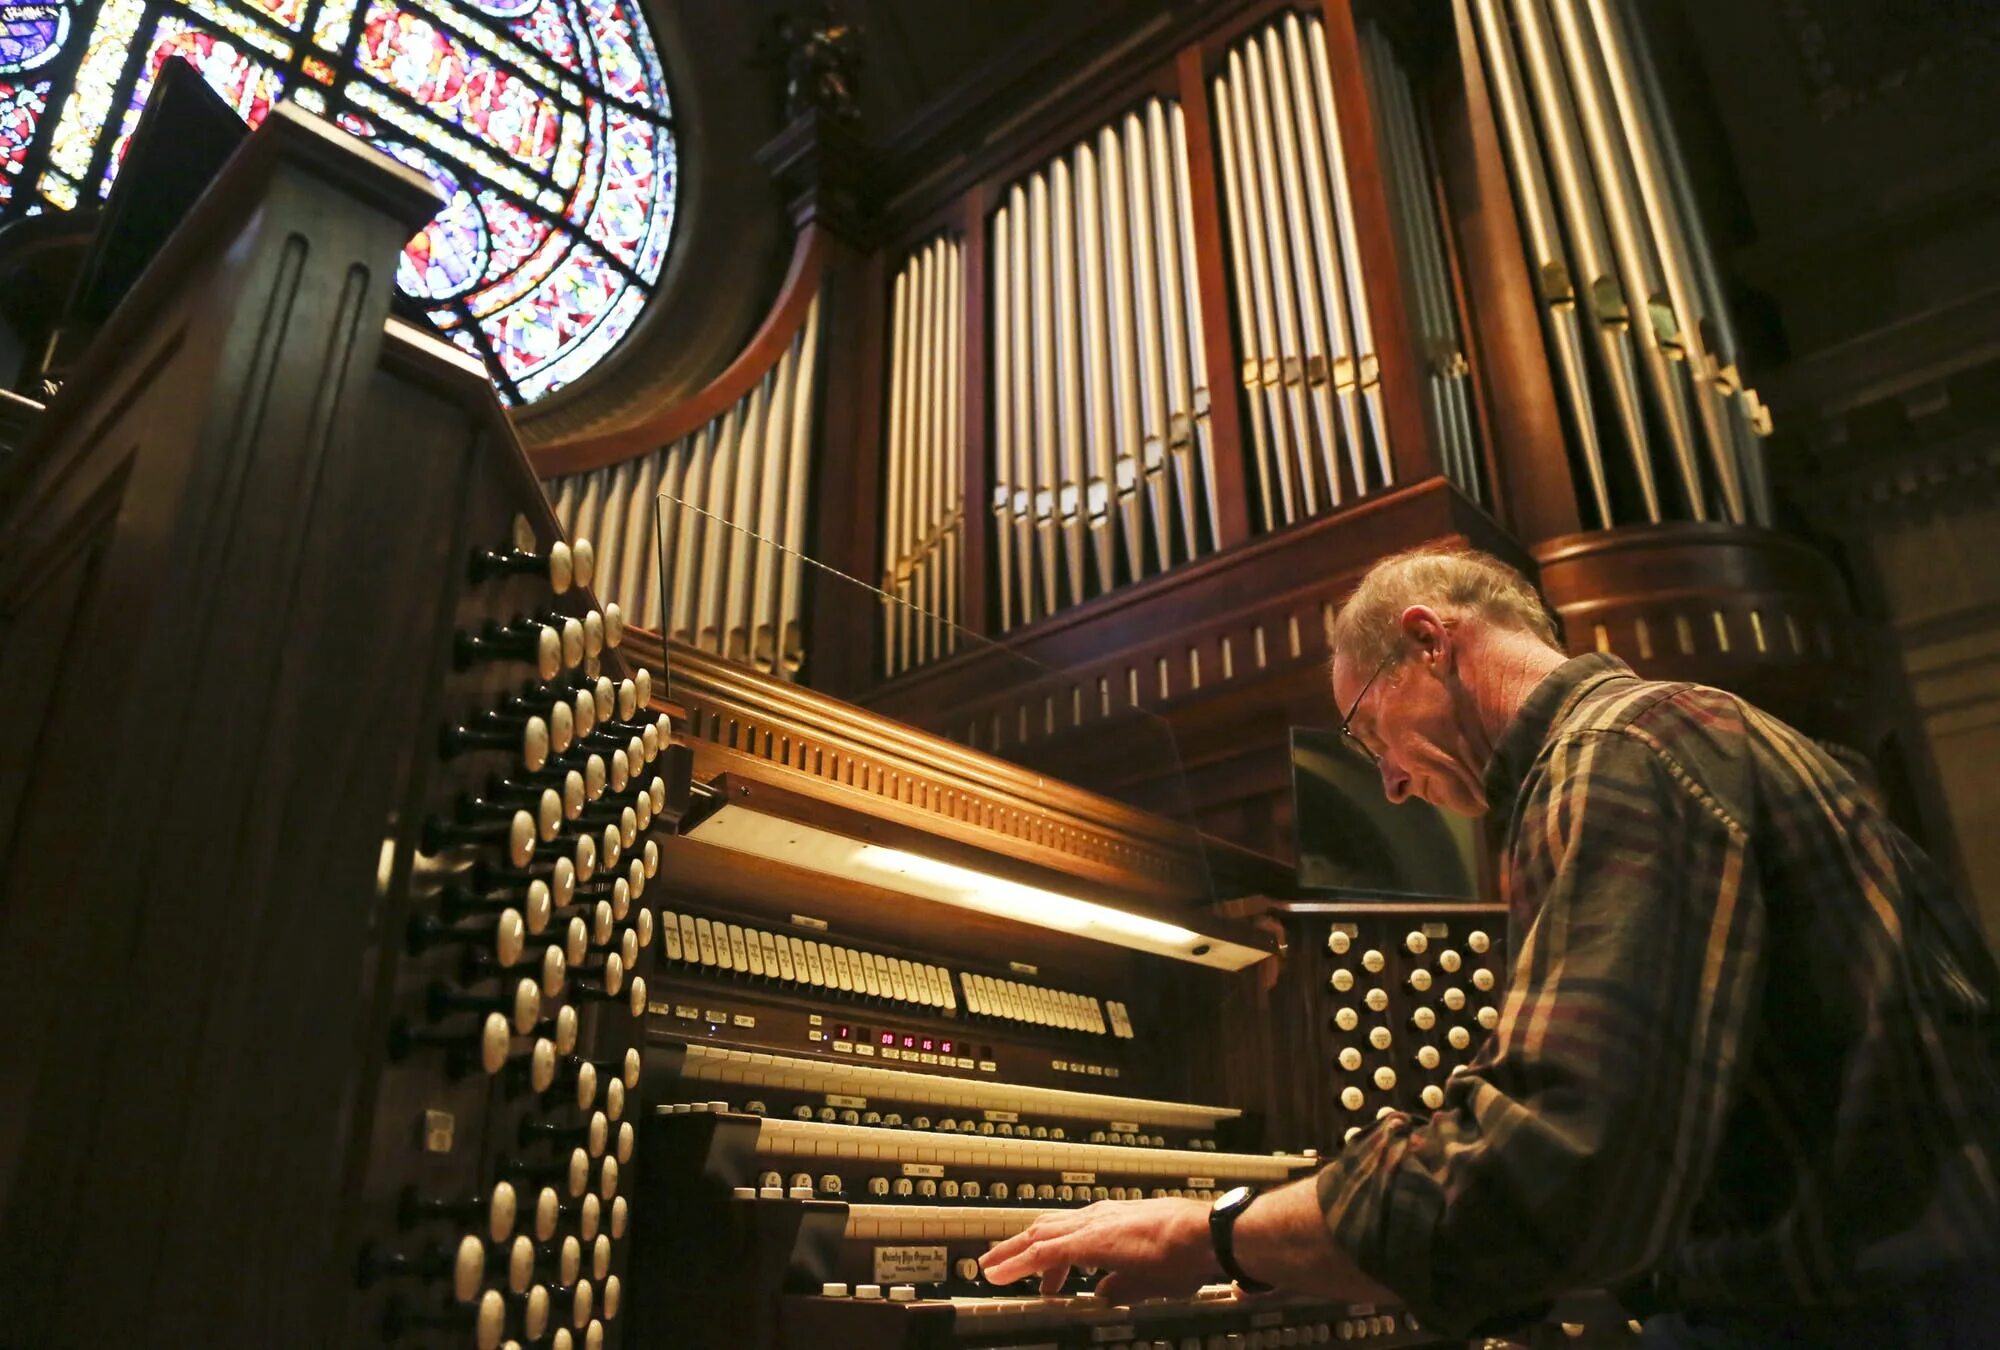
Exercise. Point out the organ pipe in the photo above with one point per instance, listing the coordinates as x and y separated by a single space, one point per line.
1100 381
700 540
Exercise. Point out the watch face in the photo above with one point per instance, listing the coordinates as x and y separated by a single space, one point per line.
1234 1197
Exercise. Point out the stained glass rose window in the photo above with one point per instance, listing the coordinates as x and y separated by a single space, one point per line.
545 123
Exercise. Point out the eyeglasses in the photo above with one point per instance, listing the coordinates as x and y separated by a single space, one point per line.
1347 722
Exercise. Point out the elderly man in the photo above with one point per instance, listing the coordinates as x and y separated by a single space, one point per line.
1745 1073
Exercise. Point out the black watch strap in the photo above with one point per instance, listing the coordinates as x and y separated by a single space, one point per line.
1222 1236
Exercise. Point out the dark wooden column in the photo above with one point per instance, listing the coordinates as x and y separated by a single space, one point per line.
1218 332
822 167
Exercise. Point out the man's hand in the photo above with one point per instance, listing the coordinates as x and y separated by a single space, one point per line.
1149 1249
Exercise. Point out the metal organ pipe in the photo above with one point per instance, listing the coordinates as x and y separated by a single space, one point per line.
1643 264
1642 245
1003 411
1098 489
1270 371
1321 230
1368 366
1197 347
1554 279
923 511
1099 381
1247 331
1408 161
1179 428
1311 371
1666 197
1123 337
1302 310
697 540
1152 371
1619 326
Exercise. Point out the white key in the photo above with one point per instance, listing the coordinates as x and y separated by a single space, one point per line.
753 947
670 931
788 959
843 973
705 935
773 967
814 974
739 949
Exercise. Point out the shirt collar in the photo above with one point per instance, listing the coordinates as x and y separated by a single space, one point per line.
1532 726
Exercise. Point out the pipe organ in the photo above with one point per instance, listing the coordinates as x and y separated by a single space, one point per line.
704 538
1103 470
1631 299
923 540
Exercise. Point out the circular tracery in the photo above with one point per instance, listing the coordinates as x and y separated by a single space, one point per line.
545 123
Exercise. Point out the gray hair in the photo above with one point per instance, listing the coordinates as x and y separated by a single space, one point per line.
1456 582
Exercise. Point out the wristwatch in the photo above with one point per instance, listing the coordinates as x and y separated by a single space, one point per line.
1222 1234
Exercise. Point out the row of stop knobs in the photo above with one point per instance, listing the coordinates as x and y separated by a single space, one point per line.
547 913
1424 1021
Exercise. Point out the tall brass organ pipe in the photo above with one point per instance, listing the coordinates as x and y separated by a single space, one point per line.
1407 157
1310 369
923 533
703 539
1643 304
1102 459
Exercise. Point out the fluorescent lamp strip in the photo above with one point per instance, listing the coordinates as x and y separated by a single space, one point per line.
814 1139
755 1068
719 945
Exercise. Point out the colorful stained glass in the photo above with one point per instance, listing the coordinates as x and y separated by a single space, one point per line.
90 93
545 124
287 12
448 255
20 109
249 86
544 27
330 28
31 34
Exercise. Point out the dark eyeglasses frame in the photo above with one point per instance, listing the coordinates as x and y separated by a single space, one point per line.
1347 722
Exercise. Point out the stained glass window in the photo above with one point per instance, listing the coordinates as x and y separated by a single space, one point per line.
545 124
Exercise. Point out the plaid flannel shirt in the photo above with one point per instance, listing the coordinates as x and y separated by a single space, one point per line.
1746 1060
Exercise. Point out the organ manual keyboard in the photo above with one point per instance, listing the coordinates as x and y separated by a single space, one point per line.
324 963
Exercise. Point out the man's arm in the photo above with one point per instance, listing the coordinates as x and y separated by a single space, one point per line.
1161 1248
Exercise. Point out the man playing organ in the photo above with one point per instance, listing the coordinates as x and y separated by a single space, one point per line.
1744 1075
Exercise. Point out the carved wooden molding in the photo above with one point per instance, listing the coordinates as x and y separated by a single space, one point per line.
739 720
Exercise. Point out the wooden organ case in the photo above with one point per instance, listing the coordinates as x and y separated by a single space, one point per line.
358 854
